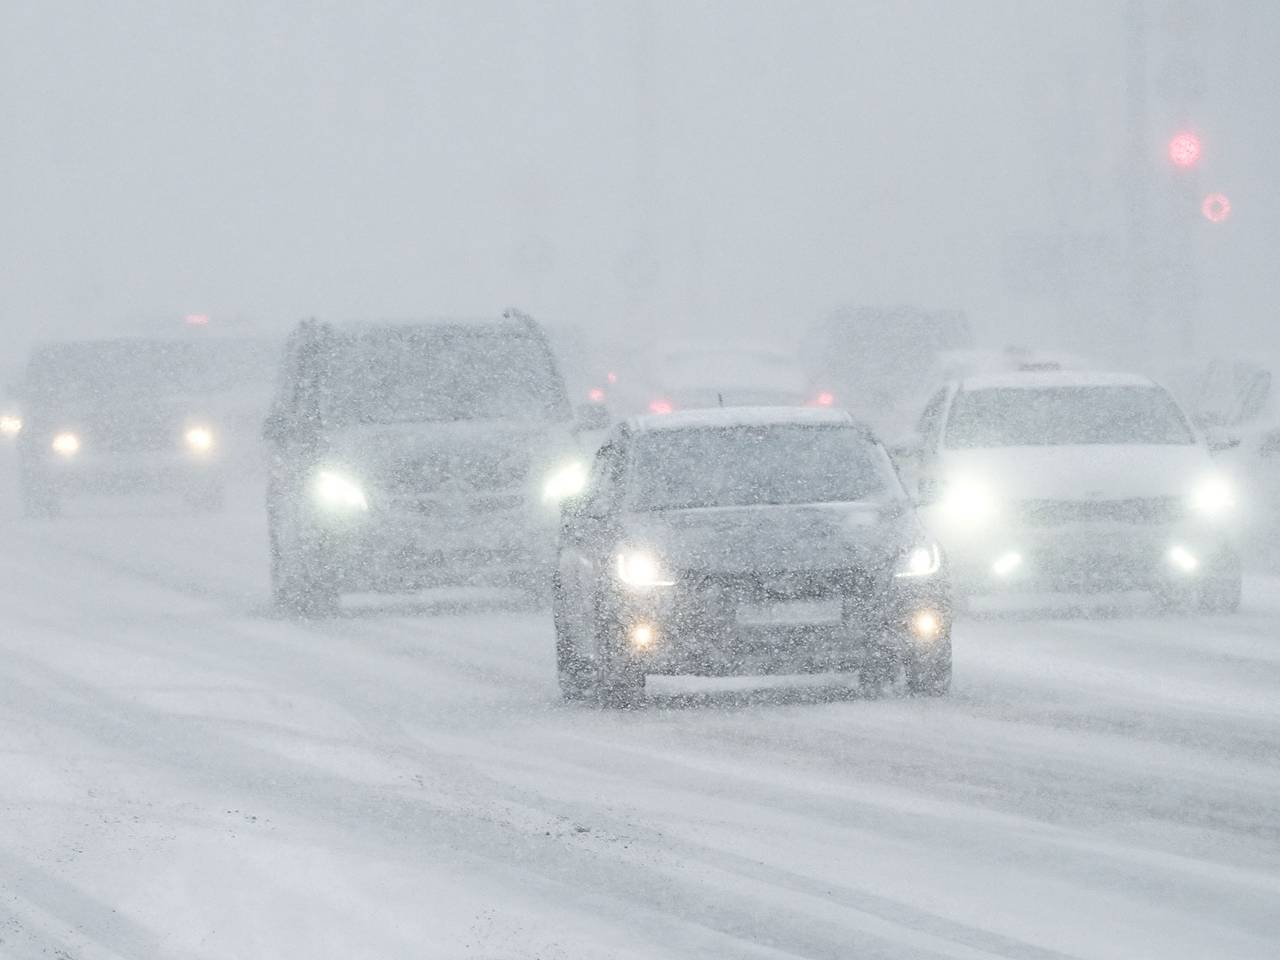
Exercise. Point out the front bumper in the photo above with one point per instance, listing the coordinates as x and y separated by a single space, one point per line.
124 473
790 623
1088 557
396 550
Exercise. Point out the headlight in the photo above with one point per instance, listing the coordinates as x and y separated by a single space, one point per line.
568 480
67 444
919 562
335 492
10 426
1213 497
968 503
639 569
199 439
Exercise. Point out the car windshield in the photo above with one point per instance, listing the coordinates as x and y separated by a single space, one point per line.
414 374
131 371
1060 416
755 465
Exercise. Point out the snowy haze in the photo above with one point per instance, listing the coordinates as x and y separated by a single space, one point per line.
661 164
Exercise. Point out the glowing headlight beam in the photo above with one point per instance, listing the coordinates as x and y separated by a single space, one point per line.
968 503
66 444
10 426
639 569
566 481
923 561
199 439
335 492
1213 497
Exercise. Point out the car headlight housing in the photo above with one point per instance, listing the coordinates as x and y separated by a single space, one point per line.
921 561
66 444
969 503
198 439
640 569
567 480
338 493
1213 497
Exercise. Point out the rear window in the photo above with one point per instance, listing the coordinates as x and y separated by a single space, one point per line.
421 374
1061 416
746 466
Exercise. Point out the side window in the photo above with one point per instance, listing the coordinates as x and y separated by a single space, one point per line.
929 426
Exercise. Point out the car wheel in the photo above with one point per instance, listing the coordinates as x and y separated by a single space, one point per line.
574 672
619 678
929 672
300 586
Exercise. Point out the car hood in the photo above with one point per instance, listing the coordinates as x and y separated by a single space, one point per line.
867 536
490 453
1096 471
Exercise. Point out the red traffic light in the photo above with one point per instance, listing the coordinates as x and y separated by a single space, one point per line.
1184 149
1216 207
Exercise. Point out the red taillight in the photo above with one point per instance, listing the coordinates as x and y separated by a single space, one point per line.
826 398
595 395
660 406
611 377
196 319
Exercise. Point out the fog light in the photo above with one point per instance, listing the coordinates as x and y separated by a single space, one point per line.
643 635
1183 559
926 624
1006 563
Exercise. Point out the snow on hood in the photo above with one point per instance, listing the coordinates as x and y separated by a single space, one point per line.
1096 471
775 538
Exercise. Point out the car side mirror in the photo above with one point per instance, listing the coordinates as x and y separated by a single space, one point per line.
907 448
1270 445
274 429
928 491
592 416
1220 442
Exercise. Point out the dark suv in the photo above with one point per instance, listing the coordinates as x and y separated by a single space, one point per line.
746 541
416 454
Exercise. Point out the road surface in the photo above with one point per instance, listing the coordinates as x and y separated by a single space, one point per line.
182 774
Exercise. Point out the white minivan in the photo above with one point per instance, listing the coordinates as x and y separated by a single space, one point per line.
1074 481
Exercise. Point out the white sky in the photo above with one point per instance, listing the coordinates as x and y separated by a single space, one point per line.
730 162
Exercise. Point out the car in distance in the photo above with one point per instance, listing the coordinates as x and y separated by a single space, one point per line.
1075 481
746 541
416 454
125 415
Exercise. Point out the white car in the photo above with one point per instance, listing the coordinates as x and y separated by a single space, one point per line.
1075 481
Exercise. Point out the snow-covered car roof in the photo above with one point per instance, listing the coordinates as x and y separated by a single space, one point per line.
726 417
1055 378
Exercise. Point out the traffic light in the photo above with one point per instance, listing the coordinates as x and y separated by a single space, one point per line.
1216 207
1184 149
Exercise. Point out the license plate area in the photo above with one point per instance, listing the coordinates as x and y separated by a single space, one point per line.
790 612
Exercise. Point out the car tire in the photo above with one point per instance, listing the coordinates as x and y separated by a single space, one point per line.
300 586
573 671
929 674
619 678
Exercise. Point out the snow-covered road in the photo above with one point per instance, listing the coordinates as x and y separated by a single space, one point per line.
183 775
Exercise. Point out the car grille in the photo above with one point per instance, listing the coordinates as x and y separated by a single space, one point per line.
762 587
1145 511
458 475
141 440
